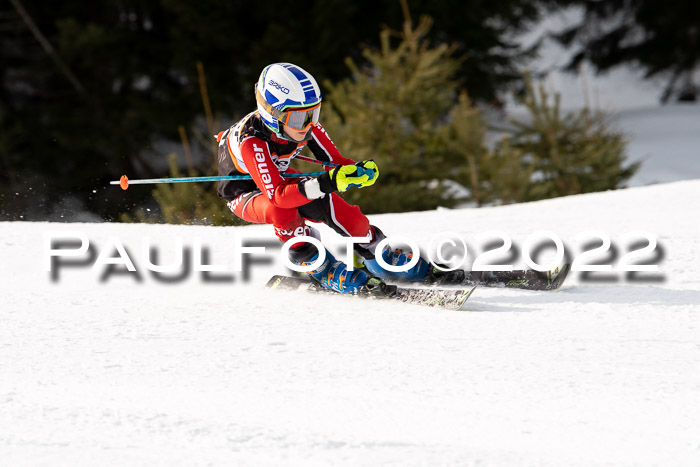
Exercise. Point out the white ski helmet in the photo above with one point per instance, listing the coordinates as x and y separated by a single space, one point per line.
287 95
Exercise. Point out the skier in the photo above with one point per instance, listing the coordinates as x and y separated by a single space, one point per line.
264 143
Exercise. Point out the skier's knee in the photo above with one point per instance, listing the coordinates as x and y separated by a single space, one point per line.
367 250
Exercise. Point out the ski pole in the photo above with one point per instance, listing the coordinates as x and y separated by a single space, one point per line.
316 161
124 181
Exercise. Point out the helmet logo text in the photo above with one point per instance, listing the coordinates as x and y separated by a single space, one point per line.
276 85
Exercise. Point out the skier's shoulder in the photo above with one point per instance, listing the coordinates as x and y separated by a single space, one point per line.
320 135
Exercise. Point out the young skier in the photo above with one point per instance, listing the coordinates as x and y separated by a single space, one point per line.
264 143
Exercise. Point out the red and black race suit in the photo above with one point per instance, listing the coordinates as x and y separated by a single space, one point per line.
248 147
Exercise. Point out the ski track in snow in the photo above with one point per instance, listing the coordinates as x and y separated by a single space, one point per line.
198 373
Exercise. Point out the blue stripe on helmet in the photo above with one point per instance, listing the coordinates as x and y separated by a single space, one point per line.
288 103
271 124
270 98
300 75
310 97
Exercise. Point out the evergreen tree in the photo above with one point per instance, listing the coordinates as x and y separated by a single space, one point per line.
88 94
509 172
562 154
392 110
662 38
463 139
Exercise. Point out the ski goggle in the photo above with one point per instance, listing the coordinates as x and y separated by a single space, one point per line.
301 119
297 119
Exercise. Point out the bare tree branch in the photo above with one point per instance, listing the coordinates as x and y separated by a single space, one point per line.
46 45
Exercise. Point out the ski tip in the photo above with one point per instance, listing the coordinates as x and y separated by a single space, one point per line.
279 282
471 291
465 296
557 276
274 281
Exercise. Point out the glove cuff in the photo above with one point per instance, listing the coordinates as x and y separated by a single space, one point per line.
311 189
326 184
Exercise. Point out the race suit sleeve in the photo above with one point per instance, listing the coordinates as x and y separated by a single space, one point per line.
324 149
256 155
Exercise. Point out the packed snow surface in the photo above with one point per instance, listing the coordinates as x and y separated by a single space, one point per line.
104 367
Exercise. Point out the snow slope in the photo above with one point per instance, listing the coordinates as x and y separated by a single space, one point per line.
195 372
665 139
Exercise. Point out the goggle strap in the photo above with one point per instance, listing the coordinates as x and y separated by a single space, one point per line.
276 113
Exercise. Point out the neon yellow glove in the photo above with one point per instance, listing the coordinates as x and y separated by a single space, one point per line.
341 178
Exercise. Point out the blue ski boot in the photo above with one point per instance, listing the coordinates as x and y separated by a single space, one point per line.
398 258
332 274
395 257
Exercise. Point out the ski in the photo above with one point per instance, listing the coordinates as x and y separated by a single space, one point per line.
451 299
522 279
